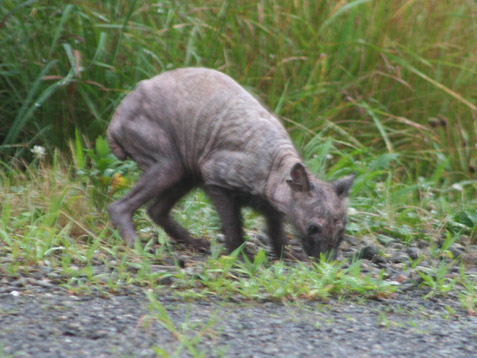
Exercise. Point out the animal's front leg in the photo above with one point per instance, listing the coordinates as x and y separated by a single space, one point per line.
278 236
230 215
276 231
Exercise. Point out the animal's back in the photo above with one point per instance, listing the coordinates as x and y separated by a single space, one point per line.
213 127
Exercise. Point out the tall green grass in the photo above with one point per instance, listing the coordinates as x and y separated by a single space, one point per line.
395 76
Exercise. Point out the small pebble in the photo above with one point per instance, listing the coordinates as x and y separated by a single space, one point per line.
400 258
369 252
413 253
385 240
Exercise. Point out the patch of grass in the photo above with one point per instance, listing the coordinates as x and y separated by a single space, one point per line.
53 220
468 293
186 334
4 354
438 280
229 277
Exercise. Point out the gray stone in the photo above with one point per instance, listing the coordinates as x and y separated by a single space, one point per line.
413 253
385 240
369 252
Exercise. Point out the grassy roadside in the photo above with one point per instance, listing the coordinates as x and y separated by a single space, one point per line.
54 221
51 220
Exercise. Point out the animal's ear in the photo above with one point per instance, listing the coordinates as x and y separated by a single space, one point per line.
299 180
343 185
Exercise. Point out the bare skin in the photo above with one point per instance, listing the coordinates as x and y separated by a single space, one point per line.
197 127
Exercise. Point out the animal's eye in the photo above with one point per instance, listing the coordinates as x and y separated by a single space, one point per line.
314 229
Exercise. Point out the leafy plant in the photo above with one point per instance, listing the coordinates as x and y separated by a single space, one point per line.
438 280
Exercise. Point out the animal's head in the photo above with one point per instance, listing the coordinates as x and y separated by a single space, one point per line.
318 211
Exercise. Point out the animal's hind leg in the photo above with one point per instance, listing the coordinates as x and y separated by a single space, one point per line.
159 211
152 183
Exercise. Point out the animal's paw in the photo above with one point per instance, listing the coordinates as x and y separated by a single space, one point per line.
296 255
201 245
130 239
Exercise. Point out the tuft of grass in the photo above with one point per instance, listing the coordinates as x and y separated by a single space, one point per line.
438 280
185 334
468 294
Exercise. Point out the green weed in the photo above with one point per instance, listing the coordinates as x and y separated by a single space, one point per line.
438 279
228 277
468 292
186 334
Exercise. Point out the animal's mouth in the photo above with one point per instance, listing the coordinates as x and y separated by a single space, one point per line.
316 250
312 248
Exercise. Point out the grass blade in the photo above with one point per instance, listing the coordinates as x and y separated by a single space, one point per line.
434 82
341 10
60 27
28 108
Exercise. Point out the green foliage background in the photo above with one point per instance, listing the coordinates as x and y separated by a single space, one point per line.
381 76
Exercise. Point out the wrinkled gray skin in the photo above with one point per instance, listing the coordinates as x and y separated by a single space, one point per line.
197 127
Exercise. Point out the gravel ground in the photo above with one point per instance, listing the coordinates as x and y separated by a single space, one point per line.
41 319
36 321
